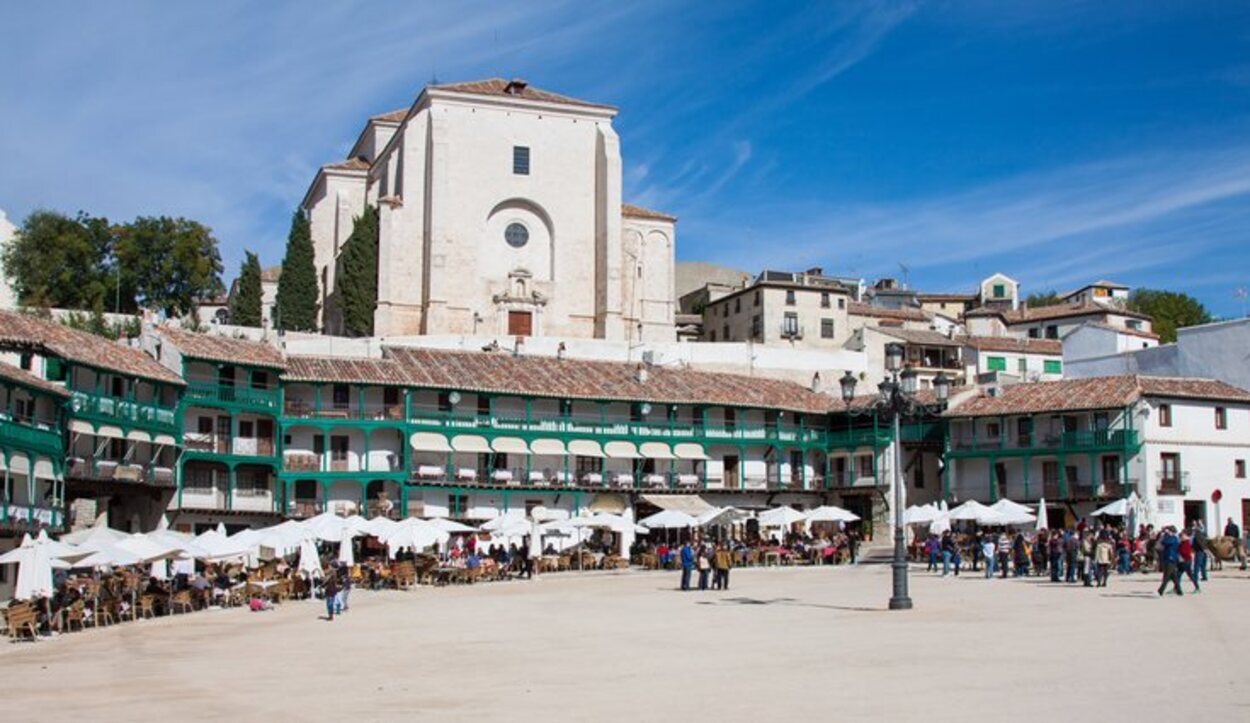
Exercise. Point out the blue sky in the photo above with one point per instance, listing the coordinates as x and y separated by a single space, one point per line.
1057 141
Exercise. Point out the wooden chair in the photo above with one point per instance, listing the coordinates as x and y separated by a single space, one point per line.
75 615
181 601
105 613
146 607
21 621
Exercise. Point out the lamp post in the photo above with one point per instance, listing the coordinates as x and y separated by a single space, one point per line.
896 398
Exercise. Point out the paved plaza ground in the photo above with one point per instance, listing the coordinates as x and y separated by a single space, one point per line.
783 644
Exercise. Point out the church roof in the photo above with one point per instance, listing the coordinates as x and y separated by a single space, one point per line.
515 88
632 211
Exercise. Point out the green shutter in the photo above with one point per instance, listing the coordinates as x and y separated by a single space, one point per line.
1052 366
996 363
1000 291
55 369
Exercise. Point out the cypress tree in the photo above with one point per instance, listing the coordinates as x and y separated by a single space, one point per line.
357 283
297 287
245 305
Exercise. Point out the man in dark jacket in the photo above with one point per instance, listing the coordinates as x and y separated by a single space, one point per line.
1168 549
687 565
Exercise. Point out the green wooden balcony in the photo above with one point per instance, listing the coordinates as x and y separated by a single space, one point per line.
41 439
240 397
1064 443
111 410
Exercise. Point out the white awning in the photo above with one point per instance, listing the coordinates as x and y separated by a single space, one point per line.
470 443
109 431
19 464
656 450
81 427
613 504
510 445
135 435
693 505
429 442
548 446
165 439
689 450
585 448
622 450
44 469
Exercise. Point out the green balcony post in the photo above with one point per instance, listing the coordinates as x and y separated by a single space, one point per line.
407 403
232 482
1027 461
947 462
993 478
1093 478
317 400
1063 475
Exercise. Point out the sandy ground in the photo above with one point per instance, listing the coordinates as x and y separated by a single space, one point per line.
782 644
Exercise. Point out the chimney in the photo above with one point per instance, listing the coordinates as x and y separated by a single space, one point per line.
815 271
518 346
640 373
560 351
816 385
516 86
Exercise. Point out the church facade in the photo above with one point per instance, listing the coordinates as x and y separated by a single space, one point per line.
500 213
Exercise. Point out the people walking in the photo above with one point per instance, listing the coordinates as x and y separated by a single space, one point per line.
331 591
1168 551
1199 541
1185 553
687 565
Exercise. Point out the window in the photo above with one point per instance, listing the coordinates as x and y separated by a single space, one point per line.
731 419
457 505
789 297
1024 432
841 303
1134 324
588 465
260 380
1239 468
1034 333
54 370
444 401
992 430
26 361
390 396
724 333
1022 365
340 396
247 429
1221 418
1171 464
319 444
204 425
1111 468
738 305
521 160
824 299
1052 366
1165 415
790 325
996 363
757 327
826 328
483 405
516 235
757 298
338 448
1000 290
713 337
1052 332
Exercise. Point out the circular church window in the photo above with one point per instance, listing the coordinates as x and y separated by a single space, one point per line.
516 235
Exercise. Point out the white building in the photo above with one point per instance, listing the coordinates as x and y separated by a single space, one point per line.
1080 443
1107 293
1216 351
499 212
1027 360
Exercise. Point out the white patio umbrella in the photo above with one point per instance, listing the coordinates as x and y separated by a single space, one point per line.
215 545
920 514
34 568
149 550
1006 505
546 514
607 521
309 560
511 527
329 527
1119 508
831 513
107 555
1043 523
506 519
347 555
98 533
452 526
780 517
721 516
378 526
357 524
413 533
972 511
669 519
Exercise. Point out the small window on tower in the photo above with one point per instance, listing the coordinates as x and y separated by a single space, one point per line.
521 160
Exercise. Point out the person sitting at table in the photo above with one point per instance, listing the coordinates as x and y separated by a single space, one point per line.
473 562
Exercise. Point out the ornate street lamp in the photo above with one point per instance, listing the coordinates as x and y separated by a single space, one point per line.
896 398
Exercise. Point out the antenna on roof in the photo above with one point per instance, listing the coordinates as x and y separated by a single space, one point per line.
906 274
434 73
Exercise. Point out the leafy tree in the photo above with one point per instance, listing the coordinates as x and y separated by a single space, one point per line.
245 304
167 263
357 282
297 287
1170 310
58 261
1046 298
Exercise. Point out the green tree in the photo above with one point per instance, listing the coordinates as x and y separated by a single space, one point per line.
168 263
357 280
245 304
1170 310
58 261
1045 298
297 287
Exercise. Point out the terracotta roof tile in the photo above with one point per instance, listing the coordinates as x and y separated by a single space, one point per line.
344 370
632 211
271 273
925 337
28 332
1013 344
1070 395
215 348
1054 311
26 379
856 308
499 86
502 373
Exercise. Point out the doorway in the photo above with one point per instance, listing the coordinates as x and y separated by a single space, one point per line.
520 323
1195 511
731 471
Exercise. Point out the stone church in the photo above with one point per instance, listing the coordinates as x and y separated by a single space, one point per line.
500 213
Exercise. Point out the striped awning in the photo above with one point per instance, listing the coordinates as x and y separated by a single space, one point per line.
429 442
585 448
689 450
470 443
656 450
622 450
548 446
510 445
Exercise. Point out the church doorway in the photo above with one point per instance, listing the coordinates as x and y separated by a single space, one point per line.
520 323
